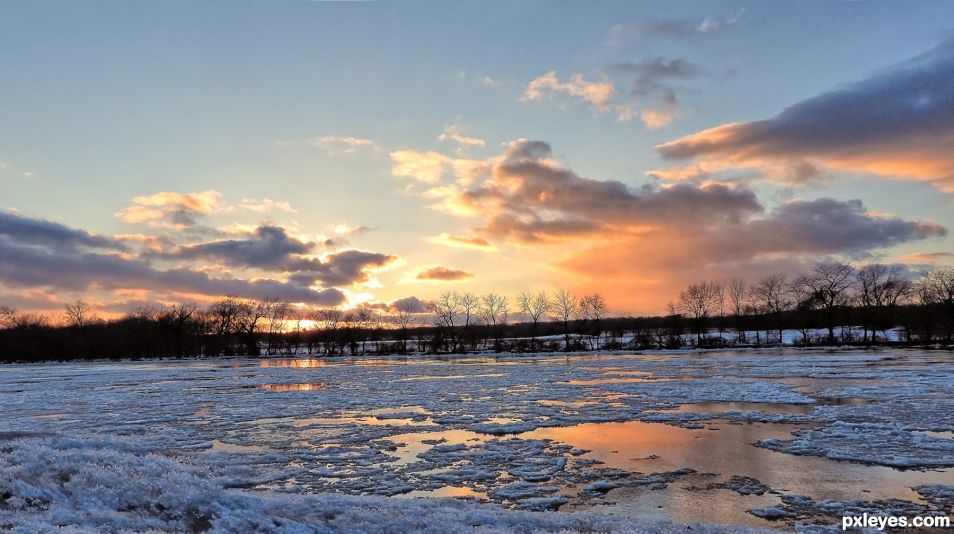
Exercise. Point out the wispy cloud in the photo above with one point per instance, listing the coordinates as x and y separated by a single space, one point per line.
266 205
651 95
430 167
168 208
470 242
454 133
623 36
598 93
337 144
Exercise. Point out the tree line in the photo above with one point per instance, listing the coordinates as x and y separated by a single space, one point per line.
831 303
848 305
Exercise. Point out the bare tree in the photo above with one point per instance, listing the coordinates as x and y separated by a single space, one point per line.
772 293
8 317
737 295
330 320
79 314
365 319
494 310
699 302
535 307
880 289
936 288
248 319
593 309
470 314
802 292
224 314
831 282
564 310
403 315
274 314
449 312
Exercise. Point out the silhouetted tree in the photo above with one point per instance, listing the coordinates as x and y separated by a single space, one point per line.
565 308
495 309
830 283
771 292
535 307
699 302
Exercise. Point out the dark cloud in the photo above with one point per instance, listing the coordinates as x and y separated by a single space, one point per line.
407 304
823 226
40 254
442 274
40 232
411 304
530 199
339 269
268 247
31 267
271 248
652 238
896 123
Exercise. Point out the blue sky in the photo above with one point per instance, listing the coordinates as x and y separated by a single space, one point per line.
106 101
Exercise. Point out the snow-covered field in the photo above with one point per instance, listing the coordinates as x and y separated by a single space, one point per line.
779 440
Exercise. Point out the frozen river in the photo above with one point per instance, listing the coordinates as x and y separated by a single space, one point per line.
771 439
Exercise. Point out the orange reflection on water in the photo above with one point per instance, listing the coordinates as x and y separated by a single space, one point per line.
292 387
310 362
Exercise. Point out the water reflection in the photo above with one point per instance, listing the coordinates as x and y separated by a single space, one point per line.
446 492
292 387
727 450
306 363
451 377
719 407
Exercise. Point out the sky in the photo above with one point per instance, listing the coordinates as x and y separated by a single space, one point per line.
340 153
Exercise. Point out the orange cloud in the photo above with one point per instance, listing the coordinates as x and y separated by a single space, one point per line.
477 243
439 273
646 241
896 124
178 208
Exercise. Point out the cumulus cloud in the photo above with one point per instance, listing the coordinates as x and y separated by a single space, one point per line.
471 242
271 248
653 237
898 123
50 258
528 197
22 265
440 273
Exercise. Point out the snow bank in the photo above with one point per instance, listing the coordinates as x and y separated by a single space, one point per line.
104 485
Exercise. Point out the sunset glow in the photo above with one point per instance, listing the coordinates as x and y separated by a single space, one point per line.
659 148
